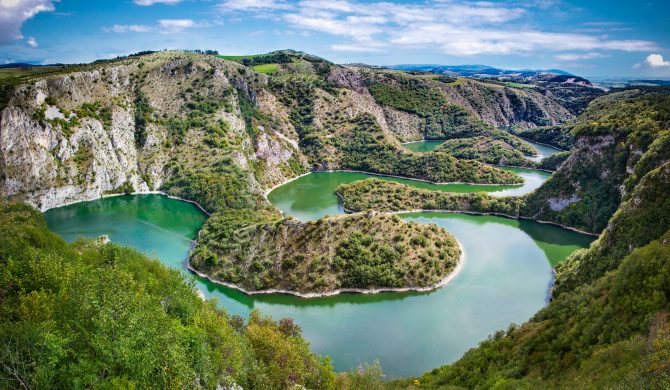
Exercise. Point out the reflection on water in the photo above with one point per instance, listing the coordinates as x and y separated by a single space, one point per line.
504 279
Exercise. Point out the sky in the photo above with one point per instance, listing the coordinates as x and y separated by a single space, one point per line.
589 38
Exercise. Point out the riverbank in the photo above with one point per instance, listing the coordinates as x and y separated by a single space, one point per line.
103 196
268 191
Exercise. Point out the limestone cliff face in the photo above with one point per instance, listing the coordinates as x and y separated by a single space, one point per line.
506 107
47 167
55 149
496 104
132 124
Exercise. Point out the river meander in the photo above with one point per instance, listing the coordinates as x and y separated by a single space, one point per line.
505 277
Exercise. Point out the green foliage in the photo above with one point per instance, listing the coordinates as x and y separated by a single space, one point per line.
298 94
554 162
50 100
266 68
364 148
125 188
143 116
96 111
92 315
645 216
614 135
365 376
258 251
66 125
222 186
558 136
485 149
368 265
381 195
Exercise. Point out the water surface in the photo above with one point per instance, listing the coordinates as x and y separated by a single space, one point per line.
313 196
505 278
542 151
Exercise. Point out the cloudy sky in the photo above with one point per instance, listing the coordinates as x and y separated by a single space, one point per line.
592 38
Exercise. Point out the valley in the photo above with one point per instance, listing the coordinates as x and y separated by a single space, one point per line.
311 181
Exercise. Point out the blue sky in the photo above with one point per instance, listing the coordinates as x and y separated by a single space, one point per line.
592 38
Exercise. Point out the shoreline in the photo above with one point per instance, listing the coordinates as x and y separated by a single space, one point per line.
446 280
103 196
268 191
542 143
492 213
510 216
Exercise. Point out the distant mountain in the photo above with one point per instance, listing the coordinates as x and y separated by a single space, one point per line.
490 72
16 65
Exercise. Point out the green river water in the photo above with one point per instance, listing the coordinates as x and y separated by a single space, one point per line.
505 276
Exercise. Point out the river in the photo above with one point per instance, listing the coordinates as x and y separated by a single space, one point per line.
505 277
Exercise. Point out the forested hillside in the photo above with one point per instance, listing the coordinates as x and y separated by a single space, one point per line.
95 315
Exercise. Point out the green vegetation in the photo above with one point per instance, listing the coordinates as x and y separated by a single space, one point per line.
441 120
266 68
363 148
143 116
554 162
485 149
96 111
642 217
381 195
518 85
608 323
620 132
363 251
91 315
557 136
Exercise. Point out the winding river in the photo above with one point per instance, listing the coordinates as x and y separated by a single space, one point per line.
428 146
505 277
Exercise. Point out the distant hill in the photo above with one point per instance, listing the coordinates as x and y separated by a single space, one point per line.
485 71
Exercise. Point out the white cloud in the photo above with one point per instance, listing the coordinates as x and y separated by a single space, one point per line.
463 41
253 5
32 42
147 3
359 48
14 12
171 26
579 56
125 28
656 61
165 26
456 27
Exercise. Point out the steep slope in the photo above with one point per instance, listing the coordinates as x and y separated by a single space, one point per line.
143 122
93 315
618 139
77 136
